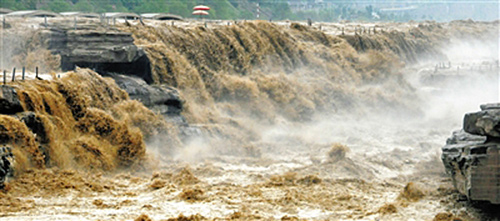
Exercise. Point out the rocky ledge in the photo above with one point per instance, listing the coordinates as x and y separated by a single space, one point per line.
161 99
101 48
472 155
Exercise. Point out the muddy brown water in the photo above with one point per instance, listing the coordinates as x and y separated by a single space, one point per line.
298 124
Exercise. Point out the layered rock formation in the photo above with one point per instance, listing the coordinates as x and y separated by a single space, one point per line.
101 48
111 52
472 155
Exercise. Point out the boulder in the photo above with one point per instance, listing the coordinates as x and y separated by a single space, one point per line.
161 99
491 106
6 157
484 123
462 137
9 100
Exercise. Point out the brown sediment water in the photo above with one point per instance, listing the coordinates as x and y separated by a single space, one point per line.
296 124
79 121
239 79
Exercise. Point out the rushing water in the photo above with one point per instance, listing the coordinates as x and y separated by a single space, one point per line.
296 122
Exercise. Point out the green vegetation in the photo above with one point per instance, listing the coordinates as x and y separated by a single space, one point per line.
220 9
317 10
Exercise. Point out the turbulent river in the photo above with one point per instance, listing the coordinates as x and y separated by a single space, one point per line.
335 121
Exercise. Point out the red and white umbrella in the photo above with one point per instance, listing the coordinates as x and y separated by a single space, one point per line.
200 12
201 8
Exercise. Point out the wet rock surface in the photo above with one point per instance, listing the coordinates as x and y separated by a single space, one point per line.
9 101
101 48
5 164
161 99
471 156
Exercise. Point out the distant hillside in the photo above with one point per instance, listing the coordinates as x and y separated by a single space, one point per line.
317 10
221 9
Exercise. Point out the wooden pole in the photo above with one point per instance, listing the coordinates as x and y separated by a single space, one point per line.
13 74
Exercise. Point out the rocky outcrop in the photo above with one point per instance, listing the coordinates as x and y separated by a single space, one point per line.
6 157
472 156
9 101
103 49
159 98
485 122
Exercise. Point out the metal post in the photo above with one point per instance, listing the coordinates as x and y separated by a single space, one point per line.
114 21
24 69
3 22
13 74
4 76
36 72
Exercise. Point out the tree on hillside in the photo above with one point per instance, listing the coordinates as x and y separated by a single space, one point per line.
180 7
279 10
222 9
83 6
151 6
58 6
